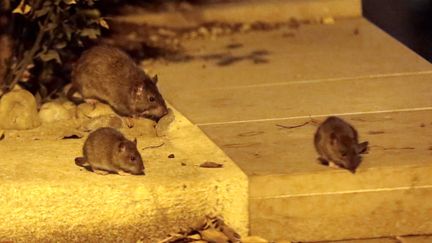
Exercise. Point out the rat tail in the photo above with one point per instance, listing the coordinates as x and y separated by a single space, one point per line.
82 162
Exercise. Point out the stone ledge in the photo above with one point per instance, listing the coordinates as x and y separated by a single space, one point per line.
44 196
266 11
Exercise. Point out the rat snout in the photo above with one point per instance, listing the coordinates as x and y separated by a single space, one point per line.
352 163
155 113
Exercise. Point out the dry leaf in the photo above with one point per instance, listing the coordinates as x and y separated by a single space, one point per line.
70 2
103 23
212 235
210 164
22 8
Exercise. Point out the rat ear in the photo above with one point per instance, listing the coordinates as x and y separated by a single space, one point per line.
122 147
362 147
135 141
155 79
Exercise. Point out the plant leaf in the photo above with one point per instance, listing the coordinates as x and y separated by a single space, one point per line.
70 2
42 12
22 8
103 23
60 45
91 13
90 33
50 55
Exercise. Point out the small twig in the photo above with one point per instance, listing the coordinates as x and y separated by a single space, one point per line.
30 55
153 146
391 148
290 127
375 132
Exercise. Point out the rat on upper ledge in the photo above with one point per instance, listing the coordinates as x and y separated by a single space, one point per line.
108 74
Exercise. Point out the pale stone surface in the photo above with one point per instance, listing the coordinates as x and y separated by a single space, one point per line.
287 183
46 197
251 11
298 72
394 138
415 239
313 52
348 67
376 240
292 100
343 215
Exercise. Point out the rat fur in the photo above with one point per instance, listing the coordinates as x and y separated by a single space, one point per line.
108 74
106 150
337 141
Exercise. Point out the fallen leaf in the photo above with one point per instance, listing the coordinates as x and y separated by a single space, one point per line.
210 164
375 132
72 136
103 23
212 235
70 2
22 8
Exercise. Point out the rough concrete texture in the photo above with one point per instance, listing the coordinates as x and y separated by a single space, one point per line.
46 197
351 69
416 239
300 200
251 11
302 70
376 240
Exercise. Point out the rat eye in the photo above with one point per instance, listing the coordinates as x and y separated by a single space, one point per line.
132 158
152 99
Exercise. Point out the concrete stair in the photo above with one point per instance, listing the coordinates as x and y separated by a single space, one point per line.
350 68
45 197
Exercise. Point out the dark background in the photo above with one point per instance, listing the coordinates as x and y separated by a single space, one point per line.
409 21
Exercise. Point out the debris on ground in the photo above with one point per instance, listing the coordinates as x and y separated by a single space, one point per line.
210 164
211 229
153 146
295 126
375 132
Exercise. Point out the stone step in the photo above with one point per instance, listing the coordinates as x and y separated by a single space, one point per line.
270 11
351 69
45 197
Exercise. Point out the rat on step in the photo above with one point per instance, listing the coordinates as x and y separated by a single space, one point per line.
337 141
108 74
106 150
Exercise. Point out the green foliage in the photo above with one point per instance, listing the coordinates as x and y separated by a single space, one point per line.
48 36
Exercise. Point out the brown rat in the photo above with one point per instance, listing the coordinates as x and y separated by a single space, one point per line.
108 74
106 150
337 141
